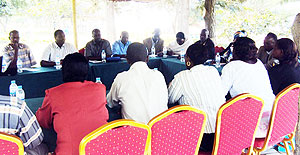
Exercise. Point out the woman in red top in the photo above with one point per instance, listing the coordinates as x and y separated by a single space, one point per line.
74 108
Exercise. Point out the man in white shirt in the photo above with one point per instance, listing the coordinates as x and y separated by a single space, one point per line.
179 46
57 50
141 91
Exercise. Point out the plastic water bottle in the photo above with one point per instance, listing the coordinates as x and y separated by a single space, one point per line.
218 59
13 88
4 66
20 93
103 55
57 61
182 56
98 80
165 52
19 65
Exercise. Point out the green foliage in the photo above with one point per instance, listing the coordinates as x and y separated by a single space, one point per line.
10 7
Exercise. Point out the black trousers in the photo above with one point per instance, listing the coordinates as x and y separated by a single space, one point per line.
207 143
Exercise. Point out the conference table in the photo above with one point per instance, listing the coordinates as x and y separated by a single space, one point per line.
37 80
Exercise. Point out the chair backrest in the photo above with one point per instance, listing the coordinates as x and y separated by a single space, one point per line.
284 115
178 130
10 144
81 51
236 124
117 137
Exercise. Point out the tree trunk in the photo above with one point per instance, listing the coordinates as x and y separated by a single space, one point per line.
296 32
209 17
182 17
296 36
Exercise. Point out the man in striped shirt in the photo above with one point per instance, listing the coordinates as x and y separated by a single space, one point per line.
17 119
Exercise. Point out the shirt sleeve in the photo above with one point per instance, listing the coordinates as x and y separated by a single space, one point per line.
5 59
273 81
88 50
30 131
46 54
31 57
227 78
112 96
44 113
115 48
175 90
108 49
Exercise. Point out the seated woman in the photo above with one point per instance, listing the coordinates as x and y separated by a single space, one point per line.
199 86
288 70
74 108
246 74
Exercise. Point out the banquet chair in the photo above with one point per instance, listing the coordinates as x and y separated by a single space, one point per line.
236 125
117 137
10 144
81 51
178 130
282 122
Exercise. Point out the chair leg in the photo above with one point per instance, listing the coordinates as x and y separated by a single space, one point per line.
286 146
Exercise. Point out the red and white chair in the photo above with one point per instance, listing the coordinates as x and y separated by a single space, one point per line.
178 130
117 137
10 145
283 120
236 125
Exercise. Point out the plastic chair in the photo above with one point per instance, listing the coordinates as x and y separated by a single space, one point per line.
117 137
81 51
283 120
178 130
10 144
236 125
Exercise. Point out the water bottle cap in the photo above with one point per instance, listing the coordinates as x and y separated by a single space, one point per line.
13 81
98 78
20 87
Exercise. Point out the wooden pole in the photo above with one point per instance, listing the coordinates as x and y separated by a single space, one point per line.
74 23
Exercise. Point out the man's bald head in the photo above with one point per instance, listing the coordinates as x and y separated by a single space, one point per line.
124 37
204 35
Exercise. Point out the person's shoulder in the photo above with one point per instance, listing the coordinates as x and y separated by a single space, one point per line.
261 49
22 45
105 41
89 43
93 85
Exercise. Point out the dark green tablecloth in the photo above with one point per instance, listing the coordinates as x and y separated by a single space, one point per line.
35 83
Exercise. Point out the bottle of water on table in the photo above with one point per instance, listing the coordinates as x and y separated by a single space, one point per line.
98 80
13 88
182 56
19 66
218 59
103 56
57 62
20 93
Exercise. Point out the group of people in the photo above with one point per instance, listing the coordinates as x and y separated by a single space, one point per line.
77 107
92 51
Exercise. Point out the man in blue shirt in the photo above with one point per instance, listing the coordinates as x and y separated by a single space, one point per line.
119 48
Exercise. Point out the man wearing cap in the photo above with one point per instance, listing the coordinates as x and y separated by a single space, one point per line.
180 45
154 42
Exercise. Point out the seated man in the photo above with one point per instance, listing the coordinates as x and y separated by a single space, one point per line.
94 48
179 46
208 43
17 119
57 50
264 53
119 48
154 43
14 51
142 92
